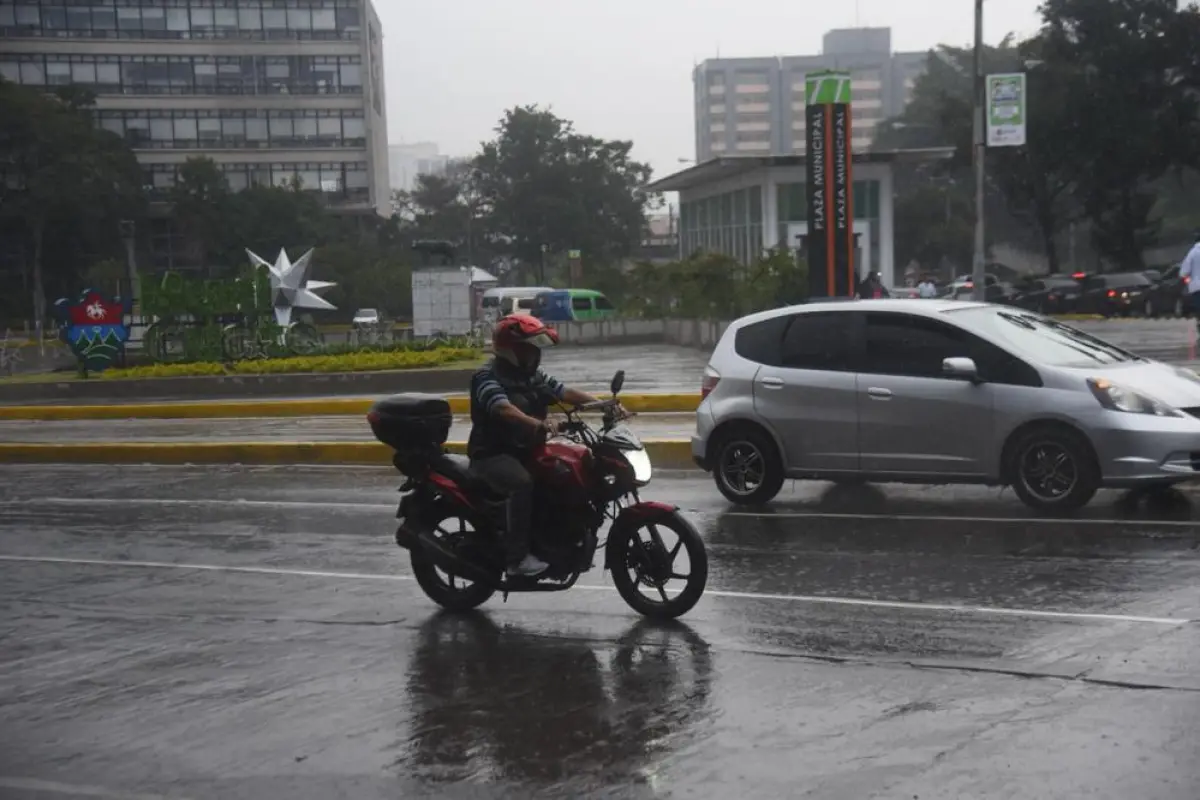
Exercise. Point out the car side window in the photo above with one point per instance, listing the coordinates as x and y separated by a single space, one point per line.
581 303
761 342
818 341
603 303
900 344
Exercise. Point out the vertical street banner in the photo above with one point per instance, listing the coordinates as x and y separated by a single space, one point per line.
1006 110
830 185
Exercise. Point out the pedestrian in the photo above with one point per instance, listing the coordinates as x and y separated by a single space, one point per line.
926 289
1189 272
872 287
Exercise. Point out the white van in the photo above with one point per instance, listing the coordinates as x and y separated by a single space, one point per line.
506 300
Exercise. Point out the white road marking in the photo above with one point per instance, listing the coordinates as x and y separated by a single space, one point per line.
319 504
77 790
786 598
1170 523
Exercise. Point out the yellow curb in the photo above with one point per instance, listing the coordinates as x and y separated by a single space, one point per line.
318 407
664 453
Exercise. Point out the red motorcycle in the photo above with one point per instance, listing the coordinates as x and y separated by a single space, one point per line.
452 524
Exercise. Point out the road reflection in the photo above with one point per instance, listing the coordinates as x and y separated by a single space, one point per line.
493 703
1149 504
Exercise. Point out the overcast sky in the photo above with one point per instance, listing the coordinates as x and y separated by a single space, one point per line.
620 69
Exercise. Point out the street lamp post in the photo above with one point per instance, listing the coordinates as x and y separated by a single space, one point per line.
978 275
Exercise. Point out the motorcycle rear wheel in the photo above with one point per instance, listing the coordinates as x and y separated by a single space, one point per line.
451 592
639 563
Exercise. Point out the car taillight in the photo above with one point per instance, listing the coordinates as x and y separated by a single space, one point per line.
1112 292
1186 280
1051 297
709 382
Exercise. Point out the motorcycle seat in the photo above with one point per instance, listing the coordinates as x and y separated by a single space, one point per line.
457 469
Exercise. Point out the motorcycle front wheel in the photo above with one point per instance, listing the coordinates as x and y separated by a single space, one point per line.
646 566
451 592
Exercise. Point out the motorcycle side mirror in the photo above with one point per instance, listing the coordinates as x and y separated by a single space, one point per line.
617 382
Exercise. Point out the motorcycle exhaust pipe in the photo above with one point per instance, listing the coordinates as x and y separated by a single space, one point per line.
448 562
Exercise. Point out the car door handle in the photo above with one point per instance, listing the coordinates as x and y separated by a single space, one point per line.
772 383
879 394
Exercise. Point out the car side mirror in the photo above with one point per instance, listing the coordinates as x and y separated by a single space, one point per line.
617 382
962 369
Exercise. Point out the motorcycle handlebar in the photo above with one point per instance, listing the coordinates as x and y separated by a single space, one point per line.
600 405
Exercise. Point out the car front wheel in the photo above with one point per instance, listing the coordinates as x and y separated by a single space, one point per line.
1053 470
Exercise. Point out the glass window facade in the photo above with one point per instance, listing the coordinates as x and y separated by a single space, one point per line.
793 207
236 129
182 19
187 75
344 181
730 223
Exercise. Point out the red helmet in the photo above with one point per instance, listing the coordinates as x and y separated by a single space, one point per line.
518 329
520 338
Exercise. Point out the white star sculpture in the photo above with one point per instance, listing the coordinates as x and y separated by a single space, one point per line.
290 287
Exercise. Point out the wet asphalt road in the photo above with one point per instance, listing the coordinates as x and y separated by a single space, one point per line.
253 633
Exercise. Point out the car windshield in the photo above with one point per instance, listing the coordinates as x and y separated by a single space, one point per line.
1127 280
1041 339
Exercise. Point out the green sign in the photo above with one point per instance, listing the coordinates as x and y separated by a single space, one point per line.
830 87
218 320
1006 110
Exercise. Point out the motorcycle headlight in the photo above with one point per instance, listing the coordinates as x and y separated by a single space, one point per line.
640 461
1118 398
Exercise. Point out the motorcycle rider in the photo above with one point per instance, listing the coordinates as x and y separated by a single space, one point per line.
510 398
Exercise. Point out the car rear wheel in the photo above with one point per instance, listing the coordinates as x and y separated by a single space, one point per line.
748 468
1054 470
1148 309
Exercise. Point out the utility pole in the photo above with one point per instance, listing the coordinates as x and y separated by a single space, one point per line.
978 275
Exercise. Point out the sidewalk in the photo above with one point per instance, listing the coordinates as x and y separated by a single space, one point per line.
282 429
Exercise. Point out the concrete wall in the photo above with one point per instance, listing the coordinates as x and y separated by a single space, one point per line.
700 334
619 331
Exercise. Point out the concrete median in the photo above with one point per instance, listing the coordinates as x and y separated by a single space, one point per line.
313 407
672 454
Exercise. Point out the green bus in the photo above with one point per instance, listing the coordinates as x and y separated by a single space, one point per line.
573 305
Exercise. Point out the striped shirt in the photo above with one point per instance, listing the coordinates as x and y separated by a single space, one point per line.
493 387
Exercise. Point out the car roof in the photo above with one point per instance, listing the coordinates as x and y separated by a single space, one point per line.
917 307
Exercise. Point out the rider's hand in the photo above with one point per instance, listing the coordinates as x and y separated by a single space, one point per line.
550 428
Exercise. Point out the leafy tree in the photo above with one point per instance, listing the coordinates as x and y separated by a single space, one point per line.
1129 64
1033 183
202 205
550 189
60 167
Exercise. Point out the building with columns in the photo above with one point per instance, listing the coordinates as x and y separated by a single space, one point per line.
742 205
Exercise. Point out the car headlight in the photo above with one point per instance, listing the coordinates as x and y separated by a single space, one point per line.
1118 398
640 461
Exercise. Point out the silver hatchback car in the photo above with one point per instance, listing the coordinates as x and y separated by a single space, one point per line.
938 392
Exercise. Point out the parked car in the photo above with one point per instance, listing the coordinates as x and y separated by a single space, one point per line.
367 317
1116 295
868 391
1051 294
1168 296
963 287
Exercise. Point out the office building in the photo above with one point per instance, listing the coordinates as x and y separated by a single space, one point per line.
271 90
407 161
755 106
